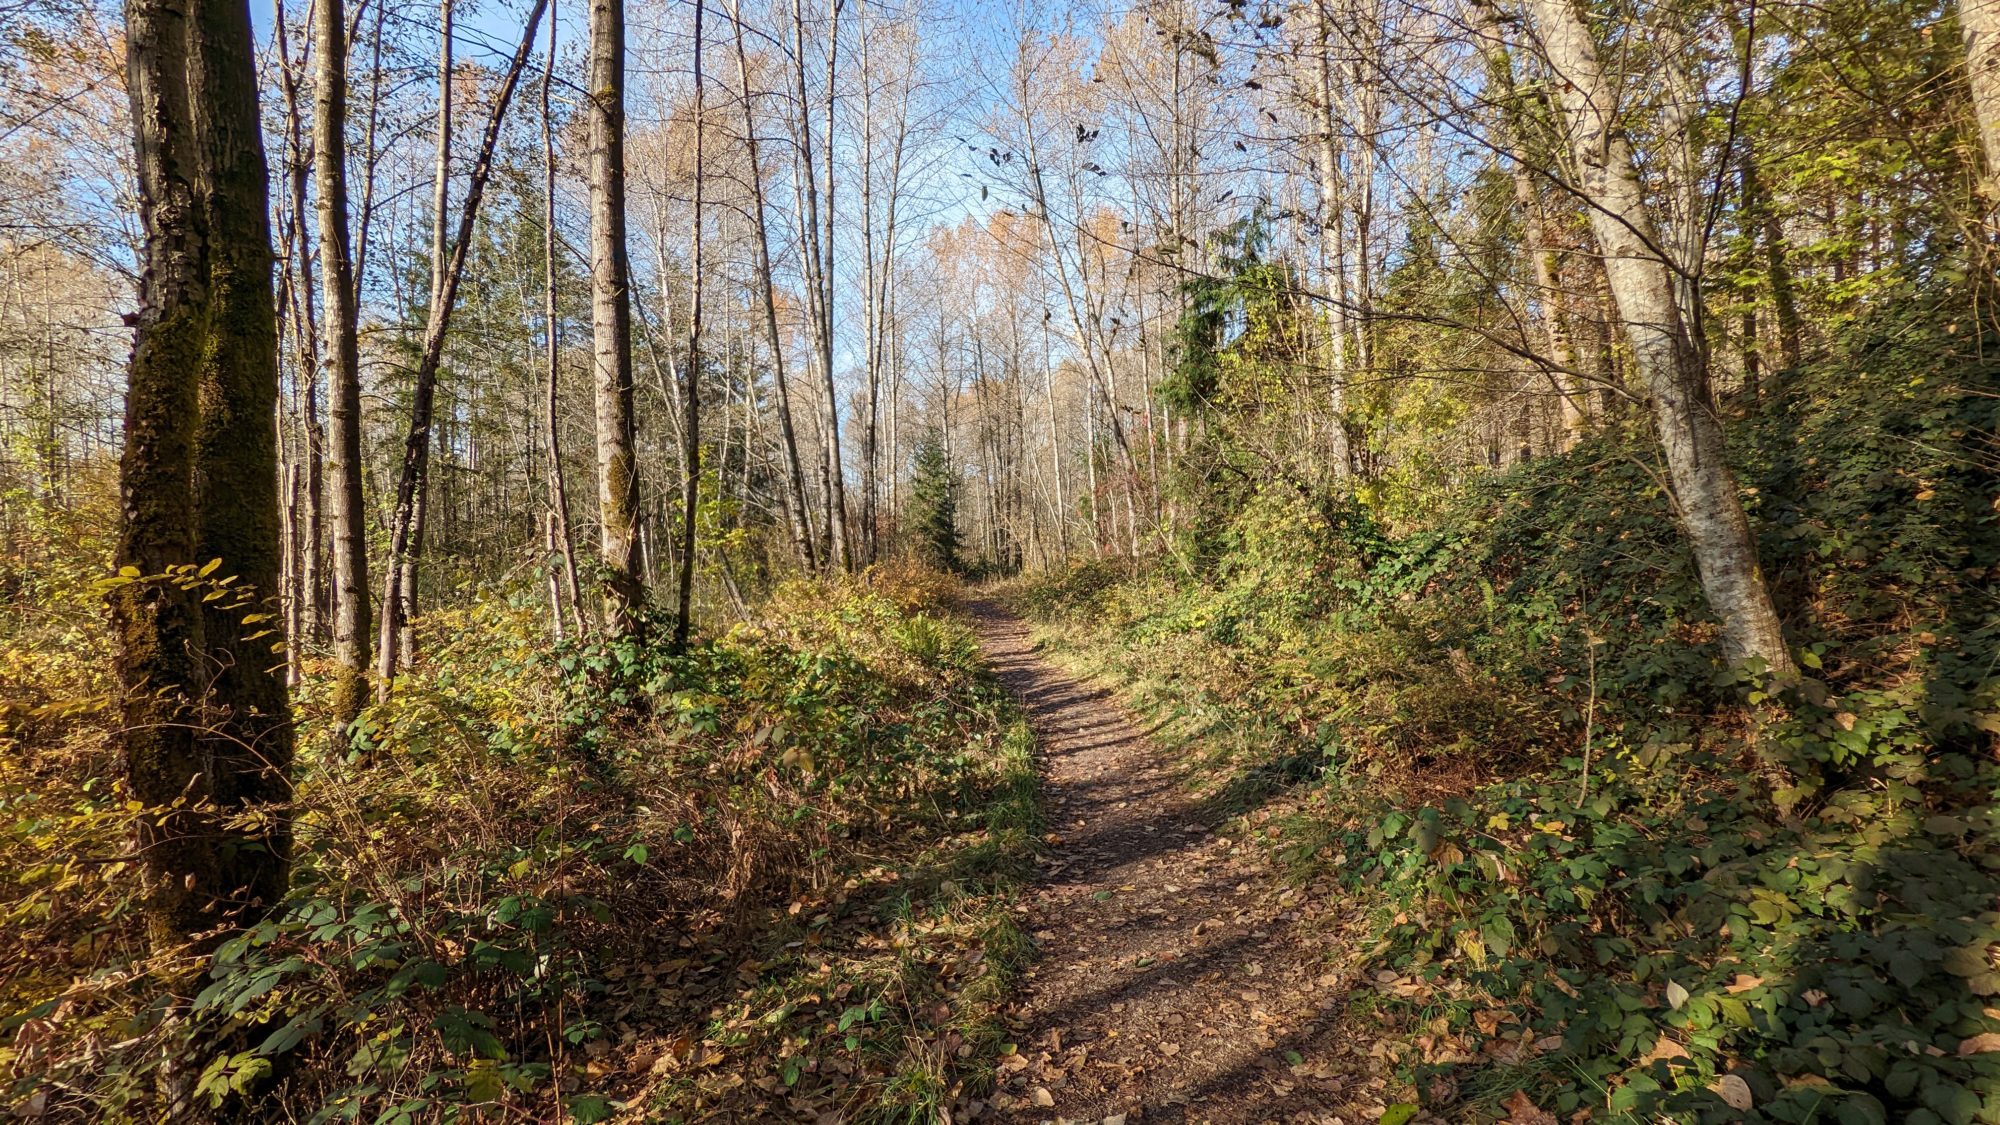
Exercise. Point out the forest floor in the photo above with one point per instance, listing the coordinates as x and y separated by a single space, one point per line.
1178 980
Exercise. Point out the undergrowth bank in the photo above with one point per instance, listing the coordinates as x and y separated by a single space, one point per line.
1623 875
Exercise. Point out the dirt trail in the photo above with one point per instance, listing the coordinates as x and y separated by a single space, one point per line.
1174 984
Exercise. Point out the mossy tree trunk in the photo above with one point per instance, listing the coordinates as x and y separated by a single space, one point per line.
236 458
208 730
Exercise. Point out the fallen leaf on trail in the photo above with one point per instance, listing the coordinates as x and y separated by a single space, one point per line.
1522 1110
1042 1097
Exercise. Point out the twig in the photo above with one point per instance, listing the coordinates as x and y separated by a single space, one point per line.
1589 715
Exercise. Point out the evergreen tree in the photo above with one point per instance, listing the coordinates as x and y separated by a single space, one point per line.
934 502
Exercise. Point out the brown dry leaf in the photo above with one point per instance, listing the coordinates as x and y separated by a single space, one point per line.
1522 1110
1733 1089
1489 1020
1744 982
1980 1044
1042 1097
1663 1048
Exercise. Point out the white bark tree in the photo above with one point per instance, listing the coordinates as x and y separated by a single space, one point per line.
1669 360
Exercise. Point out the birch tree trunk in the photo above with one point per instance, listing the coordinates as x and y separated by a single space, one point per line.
1333 244
1979 23
1668 359
351 631
611 322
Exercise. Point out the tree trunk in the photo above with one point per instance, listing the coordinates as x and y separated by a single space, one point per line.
1749 203
399 581
838 535
207 720
1561 367
249 728
816 254
611 322
551 556
798 514
1979 22
1668 358
351 633
691 403
160 623
1784 307
1333 246
406 525
305 332
1055 442
552 327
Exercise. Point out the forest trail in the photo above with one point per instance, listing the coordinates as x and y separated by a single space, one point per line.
1174 982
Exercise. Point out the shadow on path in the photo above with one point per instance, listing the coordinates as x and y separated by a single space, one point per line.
1174 983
